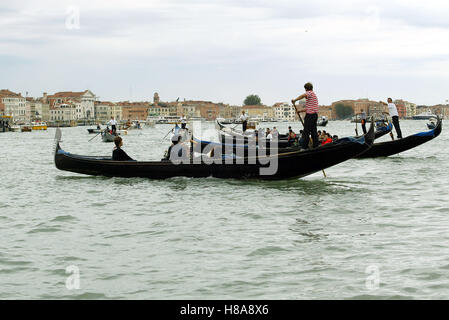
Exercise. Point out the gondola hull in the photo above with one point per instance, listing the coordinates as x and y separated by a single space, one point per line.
322 123
385 149
234 146
288 165
381 131
94 131
108 137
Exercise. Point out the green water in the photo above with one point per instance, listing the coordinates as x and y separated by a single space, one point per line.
374 228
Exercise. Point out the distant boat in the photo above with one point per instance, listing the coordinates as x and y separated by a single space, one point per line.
15 128
432 124
322 122
424 116
25 128
94 130
109 137
38 125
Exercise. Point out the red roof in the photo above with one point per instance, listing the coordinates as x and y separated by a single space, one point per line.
8 93
67 94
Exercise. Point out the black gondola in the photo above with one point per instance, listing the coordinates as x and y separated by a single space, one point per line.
322 122
227 134
382 130
94 130
385 149
106 136
294 164
236 146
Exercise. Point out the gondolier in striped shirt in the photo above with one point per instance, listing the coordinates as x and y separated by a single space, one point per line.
311 117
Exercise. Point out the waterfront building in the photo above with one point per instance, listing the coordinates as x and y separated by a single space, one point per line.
261 112
400 106
37 110
230 112
326 111
284 111
405 109
84 102
371 108
63 113
104 110
13 104
134 110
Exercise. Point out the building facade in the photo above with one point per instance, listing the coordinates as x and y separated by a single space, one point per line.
63 113
13 104
259 112
283 111
134 110
84 102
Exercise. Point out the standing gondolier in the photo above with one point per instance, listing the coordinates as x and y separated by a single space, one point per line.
363 120
183 121
244 119
311 117
113 124
393 111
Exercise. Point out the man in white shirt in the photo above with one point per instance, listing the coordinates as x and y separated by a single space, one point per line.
113 124
393 111
183 121
244 119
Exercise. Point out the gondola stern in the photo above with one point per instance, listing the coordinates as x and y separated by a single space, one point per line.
438 128
370 135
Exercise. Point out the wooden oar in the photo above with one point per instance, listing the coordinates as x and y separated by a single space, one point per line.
310 139
171 130
95 136
356 131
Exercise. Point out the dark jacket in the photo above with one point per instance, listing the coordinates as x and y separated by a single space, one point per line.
120 155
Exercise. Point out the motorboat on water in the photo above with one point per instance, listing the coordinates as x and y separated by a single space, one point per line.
38 125
424 116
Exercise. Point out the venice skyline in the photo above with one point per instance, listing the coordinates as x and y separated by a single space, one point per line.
223 51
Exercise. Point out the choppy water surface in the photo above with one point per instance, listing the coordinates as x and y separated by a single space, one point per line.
183 238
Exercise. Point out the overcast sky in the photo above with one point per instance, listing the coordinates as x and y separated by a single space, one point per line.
224 50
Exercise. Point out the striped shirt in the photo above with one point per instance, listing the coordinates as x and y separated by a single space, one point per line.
311 102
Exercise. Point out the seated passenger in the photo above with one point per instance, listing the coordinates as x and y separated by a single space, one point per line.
291 134
118 154
334 138
327 139
176 151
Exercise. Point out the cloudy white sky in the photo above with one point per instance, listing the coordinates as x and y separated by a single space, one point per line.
224 50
